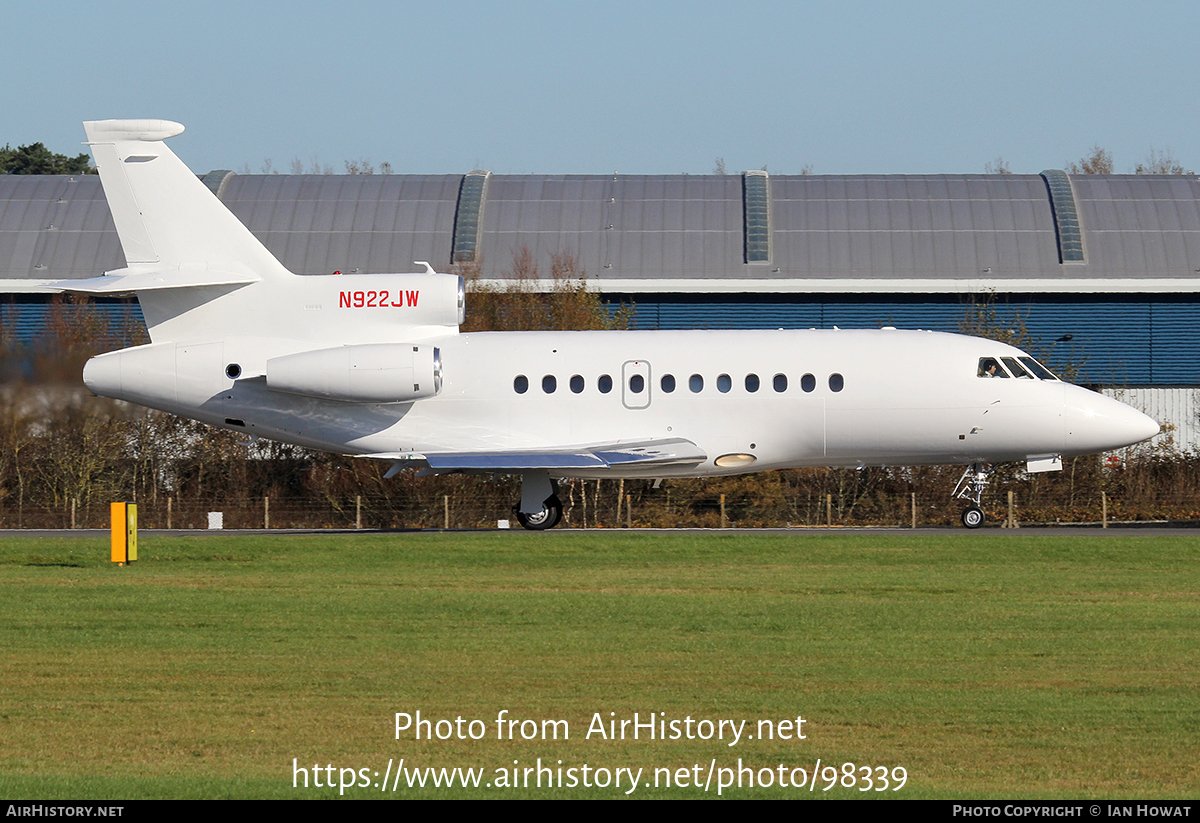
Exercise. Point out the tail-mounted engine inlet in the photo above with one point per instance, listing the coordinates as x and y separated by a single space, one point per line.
368 373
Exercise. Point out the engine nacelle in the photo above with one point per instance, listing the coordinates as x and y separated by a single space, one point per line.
367 373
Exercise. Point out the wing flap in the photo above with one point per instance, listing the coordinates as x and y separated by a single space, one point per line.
675 451
496 461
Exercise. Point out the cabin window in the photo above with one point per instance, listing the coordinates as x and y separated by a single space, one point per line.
724 384
696 383
780 382
752 383
808 382
577 383
604 384
836 382
521 384
990 367
637 384
549 384
668 383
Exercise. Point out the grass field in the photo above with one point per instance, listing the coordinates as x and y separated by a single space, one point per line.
982 665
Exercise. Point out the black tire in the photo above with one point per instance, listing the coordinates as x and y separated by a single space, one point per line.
547 518
973 517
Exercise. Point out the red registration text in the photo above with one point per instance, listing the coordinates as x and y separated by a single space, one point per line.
377 299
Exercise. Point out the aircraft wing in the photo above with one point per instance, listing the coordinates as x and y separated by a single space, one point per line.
667 452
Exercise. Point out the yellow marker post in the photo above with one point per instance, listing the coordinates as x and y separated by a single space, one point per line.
124 532
131 530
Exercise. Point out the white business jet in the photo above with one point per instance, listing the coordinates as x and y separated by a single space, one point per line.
373 365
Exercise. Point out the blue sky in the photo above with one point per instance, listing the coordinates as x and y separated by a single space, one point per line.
645 87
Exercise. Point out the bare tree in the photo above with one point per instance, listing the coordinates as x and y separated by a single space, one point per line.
17 423
719 166
997 166
1160 162
1099 161
315 166
79 451
519 305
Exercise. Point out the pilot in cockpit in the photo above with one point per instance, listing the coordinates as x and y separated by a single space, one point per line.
988 367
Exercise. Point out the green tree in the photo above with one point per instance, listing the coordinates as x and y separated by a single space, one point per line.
37 159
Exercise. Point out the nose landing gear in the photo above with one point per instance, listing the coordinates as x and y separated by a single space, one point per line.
973 517
970 487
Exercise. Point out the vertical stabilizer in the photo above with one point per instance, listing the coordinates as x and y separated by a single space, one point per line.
166 218
204 280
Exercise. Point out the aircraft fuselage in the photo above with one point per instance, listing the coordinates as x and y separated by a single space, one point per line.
776 398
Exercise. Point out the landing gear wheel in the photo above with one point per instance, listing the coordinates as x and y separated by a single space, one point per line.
547 518
970 487
973 517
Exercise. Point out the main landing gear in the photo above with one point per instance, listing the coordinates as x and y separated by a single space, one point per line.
970 487
540 508
547 518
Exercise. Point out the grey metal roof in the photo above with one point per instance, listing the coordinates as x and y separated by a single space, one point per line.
911 226
54 226
318 224
874 230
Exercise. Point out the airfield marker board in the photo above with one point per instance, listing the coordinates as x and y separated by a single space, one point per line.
124 532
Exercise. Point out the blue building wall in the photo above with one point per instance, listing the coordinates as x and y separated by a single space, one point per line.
1129 341
1114 341
28 319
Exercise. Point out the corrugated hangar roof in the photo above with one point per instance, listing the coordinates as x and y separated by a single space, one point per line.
1048 232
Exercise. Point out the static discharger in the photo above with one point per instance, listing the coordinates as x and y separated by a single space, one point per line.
124 532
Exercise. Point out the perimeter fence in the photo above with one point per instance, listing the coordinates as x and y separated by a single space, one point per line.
797 498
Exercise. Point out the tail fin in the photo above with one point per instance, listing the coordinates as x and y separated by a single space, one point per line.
201 277
166 218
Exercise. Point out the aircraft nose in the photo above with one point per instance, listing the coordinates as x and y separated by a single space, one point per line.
1095 423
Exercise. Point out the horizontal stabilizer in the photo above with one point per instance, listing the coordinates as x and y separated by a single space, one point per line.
149 131
29 286
130 281
676 451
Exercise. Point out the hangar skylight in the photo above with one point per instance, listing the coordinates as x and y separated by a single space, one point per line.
1066 216
469 216
757 214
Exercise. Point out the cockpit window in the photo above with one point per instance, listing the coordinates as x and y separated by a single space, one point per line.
1015 368
1023 368
990 367
1038 369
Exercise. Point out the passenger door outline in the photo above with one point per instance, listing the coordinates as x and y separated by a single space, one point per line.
629 370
